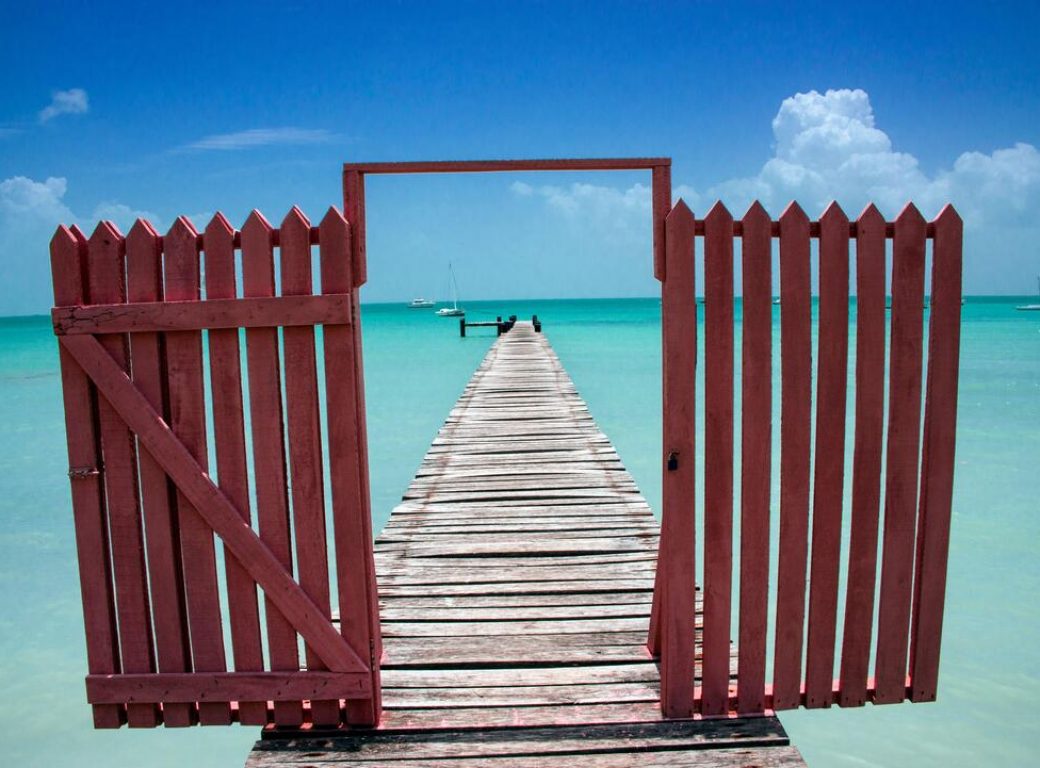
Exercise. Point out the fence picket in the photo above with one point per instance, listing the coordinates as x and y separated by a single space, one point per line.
69 270
304 428
718 459
866 460
107 250
355 567
795 431
832 380
144 274
188 421
756 448
940 432
225 366
678 324
901 476
265 405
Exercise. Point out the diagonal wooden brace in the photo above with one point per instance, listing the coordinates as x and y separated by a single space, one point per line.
174 458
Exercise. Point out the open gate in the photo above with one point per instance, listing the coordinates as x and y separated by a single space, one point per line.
138 318
918 461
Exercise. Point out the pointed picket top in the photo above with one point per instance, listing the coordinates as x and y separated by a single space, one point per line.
870 218
295 244
296 218
718 213
680 213
257 227
756 214
182 228
219 226
218 244
793 215
833 214
947 217
257 256
181 264
105 257
336 267
910 214
105 234
141 230
142 239
68 266
333 219
143 262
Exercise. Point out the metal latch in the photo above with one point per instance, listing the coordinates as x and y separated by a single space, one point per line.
81 473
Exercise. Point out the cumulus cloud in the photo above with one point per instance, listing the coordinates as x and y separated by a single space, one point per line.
29 212
828 147
71 102
261 137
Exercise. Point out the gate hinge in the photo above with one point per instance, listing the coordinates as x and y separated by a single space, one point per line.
82 473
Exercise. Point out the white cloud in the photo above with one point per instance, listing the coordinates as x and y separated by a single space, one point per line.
827 147
261 137
30 211
71 102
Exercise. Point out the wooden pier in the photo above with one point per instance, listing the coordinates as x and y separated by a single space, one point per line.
515 583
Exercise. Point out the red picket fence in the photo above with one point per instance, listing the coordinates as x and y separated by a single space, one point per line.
131 324
918 471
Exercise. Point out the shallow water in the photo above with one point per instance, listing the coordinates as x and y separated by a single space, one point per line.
416 366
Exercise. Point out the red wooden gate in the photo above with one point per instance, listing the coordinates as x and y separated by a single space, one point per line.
918 466
137 318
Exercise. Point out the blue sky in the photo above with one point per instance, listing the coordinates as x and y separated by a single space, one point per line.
116 110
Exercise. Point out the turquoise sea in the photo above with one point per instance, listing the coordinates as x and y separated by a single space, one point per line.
416 366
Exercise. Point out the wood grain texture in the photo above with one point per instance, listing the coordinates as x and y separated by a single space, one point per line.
158 499
937 461
225 370
795 431
901 473
868 441
351 512
306 475
188 315
188 421
829 473
68 249
677 553
718 458
194 482
756 443
268 430
107 278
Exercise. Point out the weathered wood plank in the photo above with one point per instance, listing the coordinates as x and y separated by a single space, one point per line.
756 442
266 417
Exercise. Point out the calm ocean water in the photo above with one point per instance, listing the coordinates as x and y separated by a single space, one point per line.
416 366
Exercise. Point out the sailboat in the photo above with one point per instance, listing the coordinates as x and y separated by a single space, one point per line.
1031 307
453 310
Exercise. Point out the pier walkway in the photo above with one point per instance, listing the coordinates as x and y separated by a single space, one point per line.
515 583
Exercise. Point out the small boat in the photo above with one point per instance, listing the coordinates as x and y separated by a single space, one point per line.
453 310
420 303
1031 307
